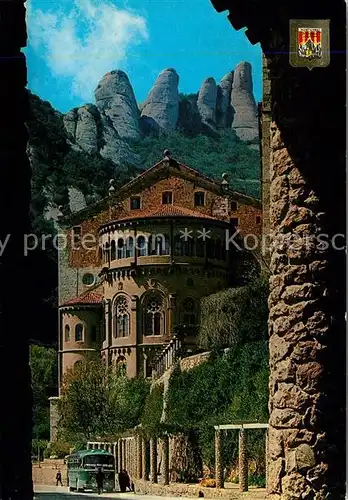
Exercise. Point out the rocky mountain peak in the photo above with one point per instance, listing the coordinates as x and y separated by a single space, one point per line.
243 78
206 101
161 108
245 120
115 98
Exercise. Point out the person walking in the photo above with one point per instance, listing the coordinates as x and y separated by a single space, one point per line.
59 478
100 480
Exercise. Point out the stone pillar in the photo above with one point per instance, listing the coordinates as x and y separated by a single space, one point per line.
120 455
165 455
144 460
108 322
116 457
145 356
171 313
266 457
153 460
139 466
243 462
126 453
218 464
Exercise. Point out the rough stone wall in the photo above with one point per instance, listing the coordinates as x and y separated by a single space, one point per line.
193 361
307 331
71 278
307 289
178 490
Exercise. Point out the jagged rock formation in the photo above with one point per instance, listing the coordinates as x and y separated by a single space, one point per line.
86 132
70 121
93 132
224 110
206 101
245 121
113 147
161 107
77 200
115 98
109 126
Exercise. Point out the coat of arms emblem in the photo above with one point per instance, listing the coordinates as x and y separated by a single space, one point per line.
309 43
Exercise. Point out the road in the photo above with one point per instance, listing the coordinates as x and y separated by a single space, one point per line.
63 493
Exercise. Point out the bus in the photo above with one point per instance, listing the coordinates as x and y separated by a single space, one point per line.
82 467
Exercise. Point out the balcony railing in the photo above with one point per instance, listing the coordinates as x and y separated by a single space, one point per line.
165 359
182 344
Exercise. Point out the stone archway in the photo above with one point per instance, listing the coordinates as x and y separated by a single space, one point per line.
303 125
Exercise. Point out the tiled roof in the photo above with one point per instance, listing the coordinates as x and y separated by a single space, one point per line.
166 211
86 298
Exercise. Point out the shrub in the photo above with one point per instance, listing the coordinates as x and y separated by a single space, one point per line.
59 449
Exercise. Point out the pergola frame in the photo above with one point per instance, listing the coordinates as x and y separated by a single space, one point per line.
242 456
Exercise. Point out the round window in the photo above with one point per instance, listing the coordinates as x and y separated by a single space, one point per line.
88 279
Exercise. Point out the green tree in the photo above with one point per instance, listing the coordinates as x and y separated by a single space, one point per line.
96 403
43 364
234 315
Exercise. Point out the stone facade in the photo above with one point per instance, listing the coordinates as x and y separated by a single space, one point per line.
127 278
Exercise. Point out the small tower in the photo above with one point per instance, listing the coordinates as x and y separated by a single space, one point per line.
167 154
112 187
225 185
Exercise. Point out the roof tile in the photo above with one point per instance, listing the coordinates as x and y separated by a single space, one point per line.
86 298
166 211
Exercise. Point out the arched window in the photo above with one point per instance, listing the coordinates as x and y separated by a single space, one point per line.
141 246
159 245
113 250
120 248
121 366
151 246
107 251
218 249
67 333
210 249
188 314
199 247
121 317
177 245
130 247
154 314
187 247
78 332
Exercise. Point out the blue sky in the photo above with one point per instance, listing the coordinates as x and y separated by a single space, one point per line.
73 43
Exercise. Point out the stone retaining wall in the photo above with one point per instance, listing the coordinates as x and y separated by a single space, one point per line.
192 490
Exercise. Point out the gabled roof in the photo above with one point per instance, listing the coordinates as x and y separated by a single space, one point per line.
165 168
88 298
